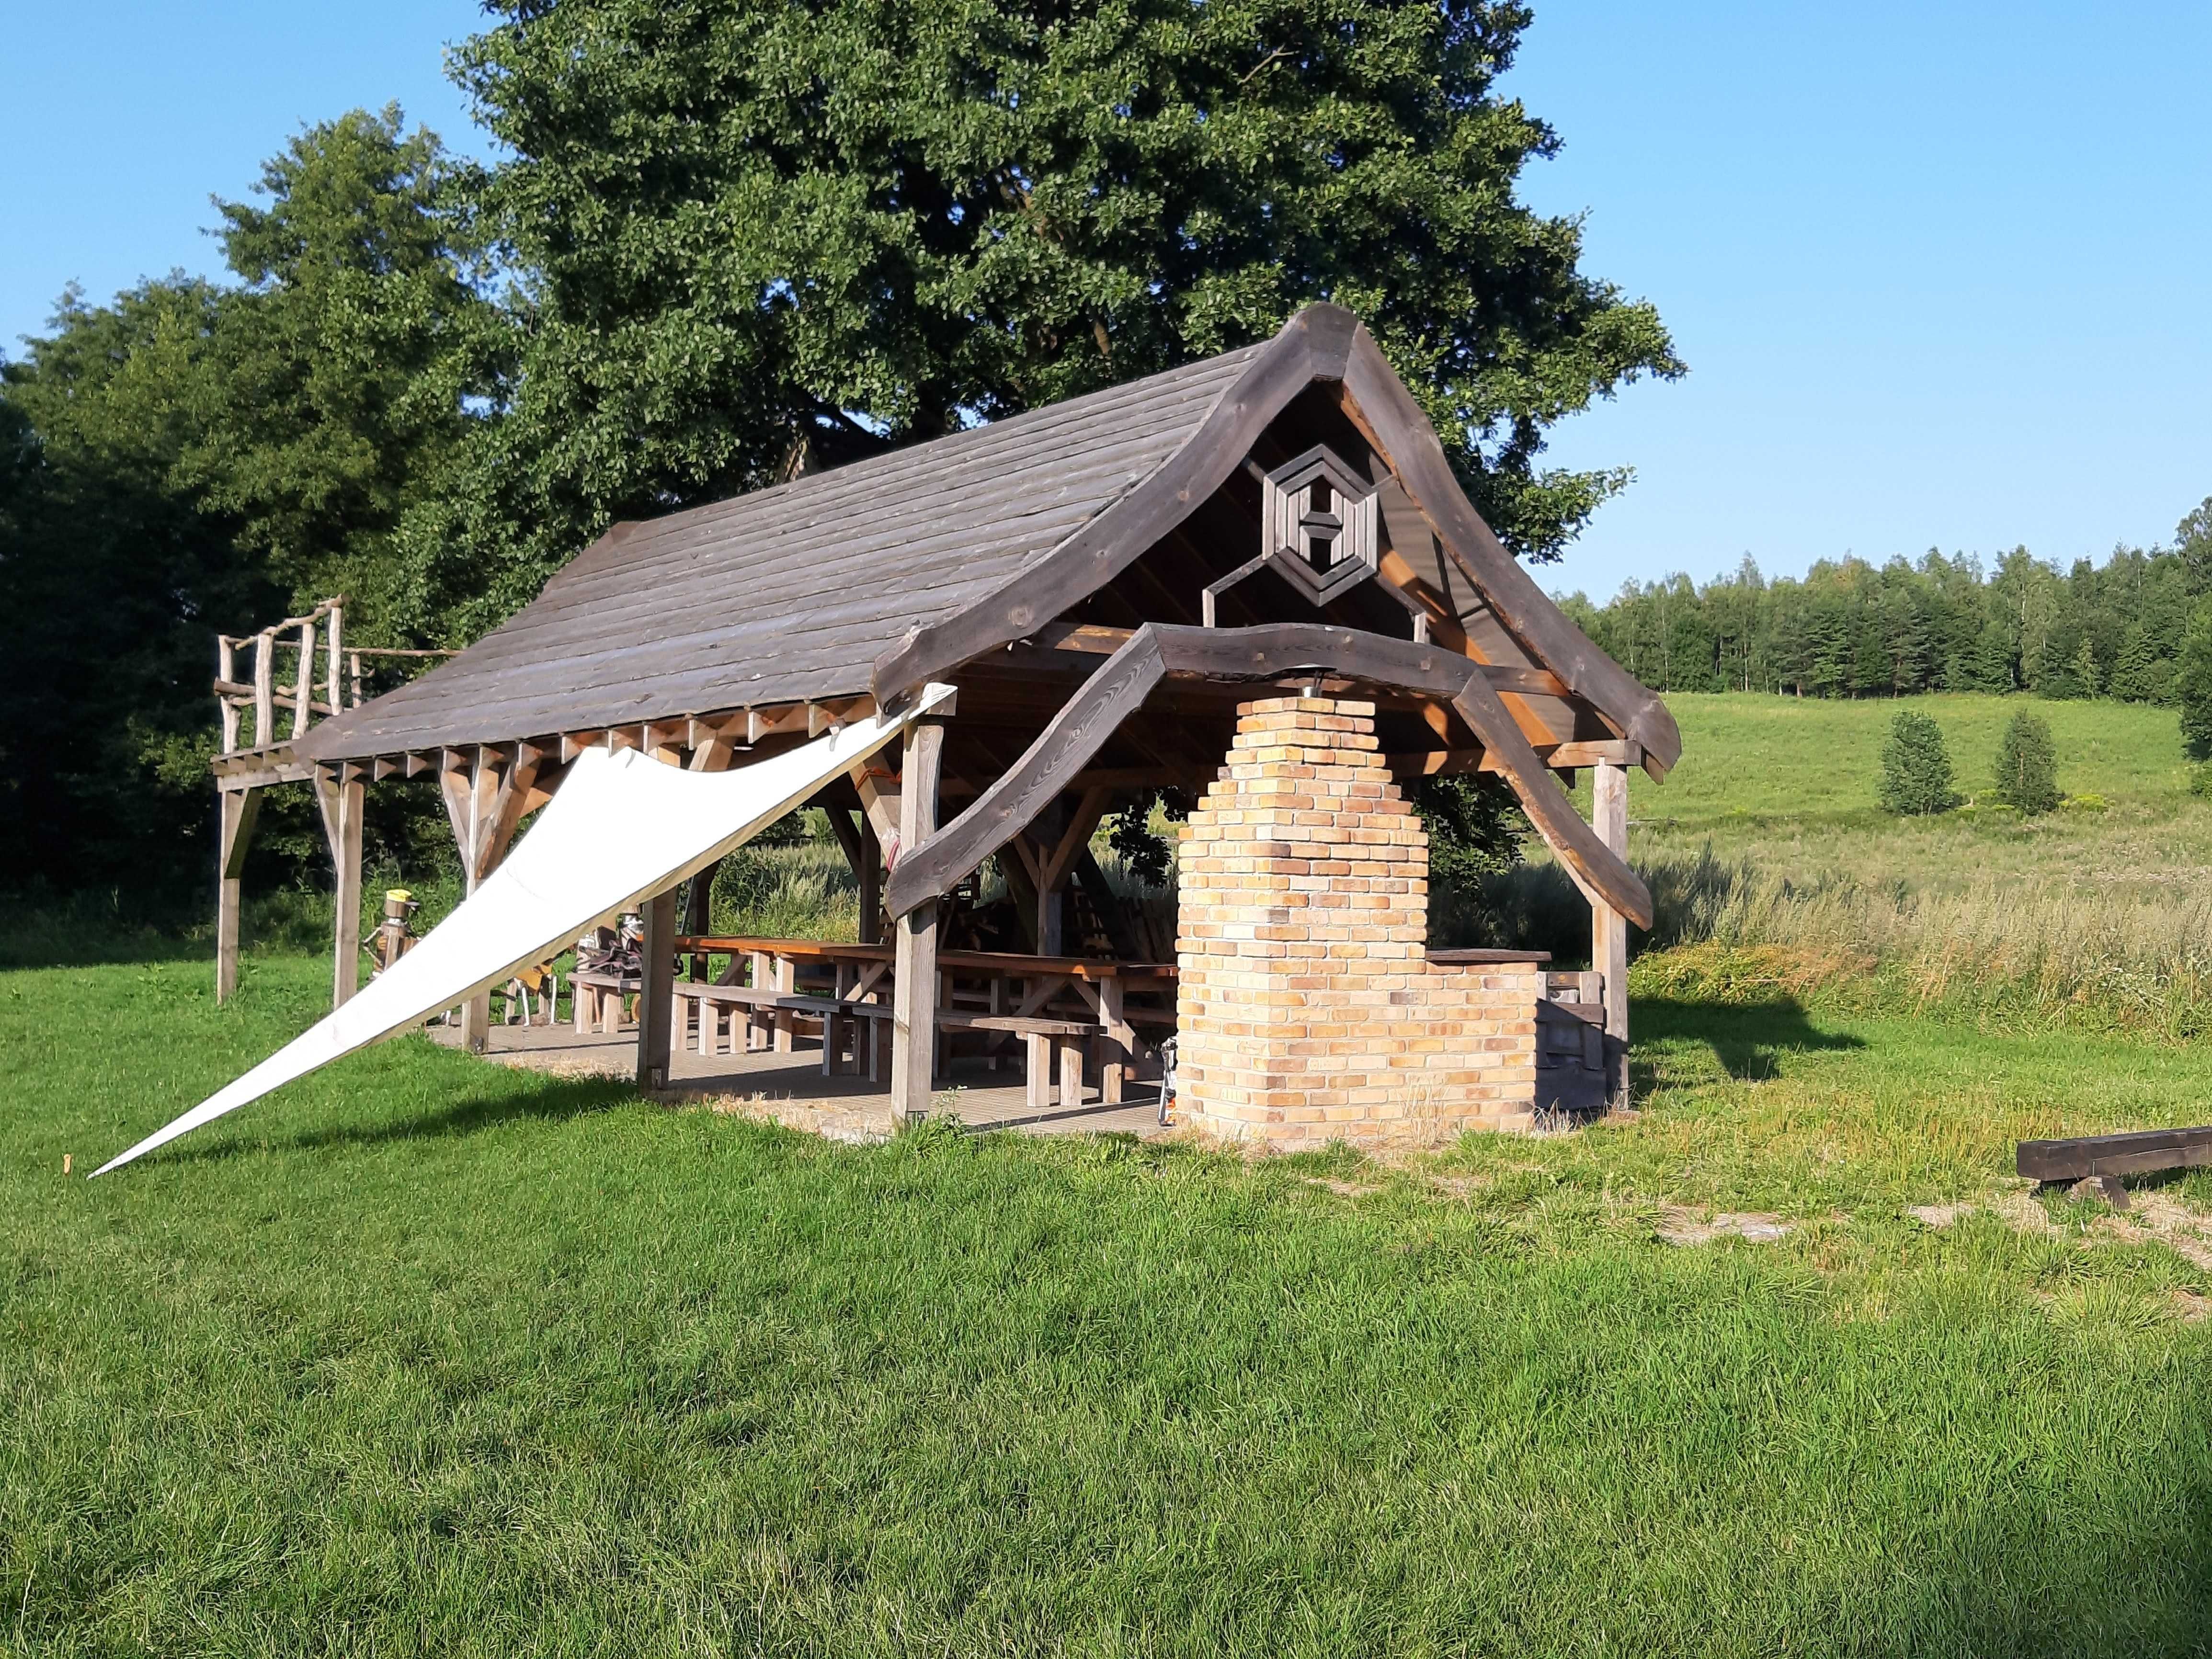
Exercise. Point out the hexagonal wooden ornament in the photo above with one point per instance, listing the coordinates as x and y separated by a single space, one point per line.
1317 523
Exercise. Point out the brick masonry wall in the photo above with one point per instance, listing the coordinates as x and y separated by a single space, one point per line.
1308 1010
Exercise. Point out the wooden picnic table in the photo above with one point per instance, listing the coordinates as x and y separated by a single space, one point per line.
1093 995
1010 963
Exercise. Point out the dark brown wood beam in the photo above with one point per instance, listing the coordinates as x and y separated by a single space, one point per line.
1096 712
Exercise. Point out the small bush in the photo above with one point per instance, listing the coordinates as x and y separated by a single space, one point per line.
2088 801
2027 766
1916 768
2200 779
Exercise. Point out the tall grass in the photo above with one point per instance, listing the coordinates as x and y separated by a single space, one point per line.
2135 957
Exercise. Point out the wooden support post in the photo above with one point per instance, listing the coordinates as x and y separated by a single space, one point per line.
1609 928
334 638
264 688
913 1011
787 1023
871 883
342 796
303 690
656 990
226 668
1036 1072
698 912
486 793
1071 1071
239 808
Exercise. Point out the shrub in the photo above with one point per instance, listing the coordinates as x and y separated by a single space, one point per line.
1916 768
2200 779
2027 766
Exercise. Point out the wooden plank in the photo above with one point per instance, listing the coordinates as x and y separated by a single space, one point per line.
1021 1024
1609 928
238 810
2137 1152
1468 958
656 990
914 1025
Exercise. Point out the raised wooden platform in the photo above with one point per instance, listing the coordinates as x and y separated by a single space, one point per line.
790 1087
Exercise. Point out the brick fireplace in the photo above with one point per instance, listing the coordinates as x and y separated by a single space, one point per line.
1309 1010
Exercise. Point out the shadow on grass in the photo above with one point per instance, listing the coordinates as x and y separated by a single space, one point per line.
1748 1039
545 1099
88 936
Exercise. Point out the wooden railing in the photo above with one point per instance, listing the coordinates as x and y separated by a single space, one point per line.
320 675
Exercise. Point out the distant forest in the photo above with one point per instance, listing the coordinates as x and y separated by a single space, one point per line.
1851 628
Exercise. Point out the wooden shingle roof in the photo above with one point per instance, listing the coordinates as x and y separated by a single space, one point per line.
878 575
791 594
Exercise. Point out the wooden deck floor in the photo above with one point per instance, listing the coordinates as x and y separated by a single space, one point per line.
791 1088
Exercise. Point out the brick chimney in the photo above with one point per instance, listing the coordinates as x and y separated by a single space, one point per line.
1308 1009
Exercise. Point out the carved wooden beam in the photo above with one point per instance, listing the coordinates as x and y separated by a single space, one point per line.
1083 726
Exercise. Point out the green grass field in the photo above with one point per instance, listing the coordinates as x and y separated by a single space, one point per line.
1800 757
423 1356
1767 837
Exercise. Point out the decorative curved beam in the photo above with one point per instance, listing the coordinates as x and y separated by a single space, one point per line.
1410 444
1157 650
1312 346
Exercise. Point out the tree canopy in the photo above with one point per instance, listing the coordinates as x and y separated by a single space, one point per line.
1851 628
744 226
721 233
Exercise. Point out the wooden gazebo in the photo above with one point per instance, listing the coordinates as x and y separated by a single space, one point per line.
1108 581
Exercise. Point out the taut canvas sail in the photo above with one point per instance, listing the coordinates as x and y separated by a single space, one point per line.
622 828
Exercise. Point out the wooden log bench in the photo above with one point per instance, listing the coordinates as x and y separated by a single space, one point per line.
2104 1160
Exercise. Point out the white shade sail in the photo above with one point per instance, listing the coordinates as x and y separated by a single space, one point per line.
622 828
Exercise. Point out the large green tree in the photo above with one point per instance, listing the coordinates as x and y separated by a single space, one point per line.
744 223
194 458
350 367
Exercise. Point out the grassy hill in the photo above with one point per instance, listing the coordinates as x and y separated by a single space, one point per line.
1766 838
1820 757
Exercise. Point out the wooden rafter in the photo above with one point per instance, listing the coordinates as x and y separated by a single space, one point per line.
1088 720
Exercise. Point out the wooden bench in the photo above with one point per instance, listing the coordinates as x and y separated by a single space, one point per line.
1052 1047
597 1000
2105 1158
866 1019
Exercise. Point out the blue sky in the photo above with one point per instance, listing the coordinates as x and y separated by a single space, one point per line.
1940 271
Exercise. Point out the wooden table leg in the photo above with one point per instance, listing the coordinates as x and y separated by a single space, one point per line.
787 1023
996 1040
1071 1071
1038 1085
1118 1051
